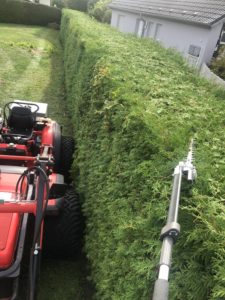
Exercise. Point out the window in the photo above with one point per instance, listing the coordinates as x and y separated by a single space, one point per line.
222 39
143 28
157 31
193 54
194 50
140 27
148 30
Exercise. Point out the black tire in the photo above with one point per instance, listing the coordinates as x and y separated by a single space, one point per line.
57 147
63 233
67 151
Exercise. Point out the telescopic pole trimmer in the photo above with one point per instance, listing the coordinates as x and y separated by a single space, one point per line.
171 230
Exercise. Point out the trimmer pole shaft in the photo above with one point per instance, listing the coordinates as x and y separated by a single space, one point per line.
171 230
175 198
161 288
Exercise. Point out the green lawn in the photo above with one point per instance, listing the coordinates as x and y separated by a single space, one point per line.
31 68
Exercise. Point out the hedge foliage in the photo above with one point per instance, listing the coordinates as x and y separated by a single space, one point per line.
135 106
22 12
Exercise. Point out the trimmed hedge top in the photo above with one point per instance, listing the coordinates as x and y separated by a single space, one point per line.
136 105
28 13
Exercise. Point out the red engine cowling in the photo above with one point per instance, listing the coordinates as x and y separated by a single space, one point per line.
10 222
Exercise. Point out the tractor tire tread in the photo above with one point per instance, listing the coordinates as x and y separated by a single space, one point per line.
63 233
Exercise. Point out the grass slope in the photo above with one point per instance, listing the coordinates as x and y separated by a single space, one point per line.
31 69
136 105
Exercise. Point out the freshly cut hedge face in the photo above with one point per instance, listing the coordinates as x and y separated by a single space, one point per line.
20 12
136 106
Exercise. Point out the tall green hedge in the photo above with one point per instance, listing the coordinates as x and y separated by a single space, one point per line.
135 106
22 12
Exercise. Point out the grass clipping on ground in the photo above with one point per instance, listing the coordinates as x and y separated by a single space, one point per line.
136 106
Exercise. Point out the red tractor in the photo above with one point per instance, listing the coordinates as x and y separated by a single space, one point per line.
38 207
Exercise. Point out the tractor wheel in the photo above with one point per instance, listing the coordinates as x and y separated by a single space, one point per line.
63 233
57 140
67 150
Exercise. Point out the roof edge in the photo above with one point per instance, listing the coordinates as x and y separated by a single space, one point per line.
205 25
218 20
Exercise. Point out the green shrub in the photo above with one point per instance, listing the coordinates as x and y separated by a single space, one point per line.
80 5
218 63
28 13
100 11
135 107
58 3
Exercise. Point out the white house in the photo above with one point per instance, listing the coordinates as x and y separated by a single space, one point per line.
193 27
45 2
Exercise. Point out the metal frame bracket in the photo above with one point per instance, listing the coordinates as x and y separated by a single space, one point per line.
170 230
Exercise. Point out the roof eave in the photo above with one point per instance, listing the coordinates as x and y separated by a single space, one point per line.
205 25
221 19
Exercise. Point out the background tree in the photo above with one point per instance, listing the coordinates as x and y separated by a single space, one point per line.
59 3
77 4
218 63
99 10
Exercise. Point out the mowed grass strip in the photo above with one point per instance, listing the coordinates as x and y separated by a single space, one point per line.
31 68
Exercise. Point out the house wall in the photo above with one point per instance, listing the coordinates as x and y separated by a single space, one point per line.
171 34
212 41
123 21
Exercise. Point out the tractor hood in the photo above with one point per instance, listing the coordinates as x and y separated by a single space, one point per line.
9 176
10 222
